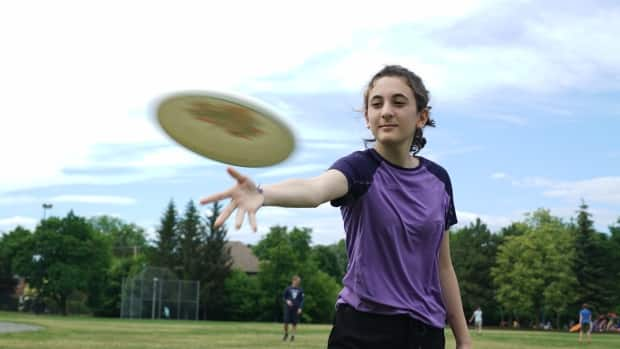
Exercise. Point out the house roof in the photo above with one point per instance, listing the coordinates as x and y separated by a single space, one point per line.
242 257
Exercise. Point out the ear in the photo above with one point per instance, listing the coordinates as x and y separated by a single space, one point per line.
422 118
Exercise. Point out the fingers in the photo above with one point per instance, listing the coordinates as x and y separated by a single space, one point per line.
225 213
236 175
252 218
216 197
239 219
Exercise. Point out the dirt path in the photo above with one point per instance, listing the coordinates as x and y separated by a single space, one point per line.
8 327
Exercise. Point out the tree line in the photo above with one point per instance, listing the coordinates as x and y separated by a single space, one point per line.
76 264
541 268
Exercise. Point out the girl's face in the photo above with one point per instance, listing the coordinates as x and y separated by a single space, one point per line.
392 115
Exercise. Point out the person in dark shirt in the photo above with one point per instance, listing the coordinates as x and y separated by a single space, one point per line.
293 303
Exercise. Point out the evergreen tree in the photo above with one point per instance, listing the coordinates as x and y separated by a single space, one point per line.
217 264
166 242
189 233
591 263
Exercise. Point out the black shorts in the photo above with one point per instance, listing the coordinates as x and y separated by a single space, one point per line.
358 330
290 315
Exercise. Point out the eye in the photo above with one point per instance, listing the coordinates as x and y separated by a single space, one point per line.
376 104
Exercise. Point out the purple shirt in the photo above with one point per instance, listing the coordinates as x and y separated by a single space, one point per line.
394 219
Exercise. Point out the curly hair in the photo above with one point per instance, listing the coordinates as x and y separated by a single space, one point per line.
422 97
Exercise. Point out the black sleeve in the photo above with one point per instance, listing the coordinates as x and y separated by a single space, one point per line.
358 168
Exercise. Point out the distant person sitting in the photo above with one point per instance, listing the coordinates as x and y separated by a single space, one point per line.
294 302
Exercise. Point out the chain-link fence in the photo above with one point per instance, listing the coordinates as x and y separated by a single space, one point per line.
156 293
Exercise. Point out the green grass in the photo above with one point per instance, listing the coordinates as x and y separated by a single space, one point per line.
85 332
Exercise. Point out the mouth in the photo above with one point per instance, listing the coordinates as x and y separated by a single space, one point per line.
388 125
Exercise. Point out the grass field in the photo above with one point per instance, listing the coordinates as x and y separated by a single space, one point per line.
86 332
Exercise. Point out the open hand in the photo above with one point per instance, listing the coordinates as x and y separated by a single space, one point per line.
244 197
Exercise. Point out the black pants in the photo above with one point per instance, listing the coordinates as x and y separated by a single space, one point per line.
358 330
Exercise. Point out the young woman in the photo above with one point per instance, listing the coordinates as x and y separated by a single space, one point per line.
400 287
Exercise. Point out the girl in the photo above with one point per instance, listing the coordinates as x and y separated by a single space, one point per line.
400 287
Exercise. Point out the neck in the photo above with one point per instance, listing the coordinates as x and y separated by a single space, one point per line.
399 156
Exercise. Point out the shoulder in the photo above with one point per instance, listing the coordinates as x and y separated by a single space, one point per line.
360 157
434 168
359 165
438 171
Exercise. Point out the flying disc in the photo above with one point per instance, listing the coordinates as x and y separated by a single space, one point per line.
226 128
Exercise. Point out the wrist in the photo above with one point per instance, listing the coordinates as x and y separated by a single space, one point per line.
260 190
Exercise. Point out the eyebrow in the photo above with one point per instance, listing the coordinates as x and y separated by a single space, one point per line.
396 95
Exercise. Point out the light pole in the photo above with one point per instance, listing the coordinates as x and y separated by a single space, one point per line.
46 206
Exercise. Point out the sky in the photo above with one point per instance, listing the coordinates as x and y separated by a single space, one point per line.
526 95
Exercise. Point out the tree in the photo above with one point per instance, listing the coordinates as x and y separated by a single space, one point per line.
591 263
64 256
126 239
243 296
614 263
10 244
217 263
534 271
166 253
514 229
278 263
331 259
190 231
473 251
129 247
283 254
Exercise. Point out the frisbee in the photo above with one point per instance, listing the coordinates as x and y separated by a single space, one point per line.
227 128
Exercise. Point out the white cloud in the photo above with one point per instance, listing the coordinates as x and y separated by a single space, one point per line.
499 175
493 222
69 198
94 199
10 223
596 190
18 200
604 190
72 81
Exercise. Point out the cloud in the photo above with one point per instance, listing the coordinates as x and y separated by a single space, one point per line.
484 51
68 198
604 190
596 190
94 199
10 223
18 200
493 222
499 175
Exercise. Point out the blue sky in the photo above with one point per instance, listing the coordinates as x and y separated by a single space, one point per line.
526 96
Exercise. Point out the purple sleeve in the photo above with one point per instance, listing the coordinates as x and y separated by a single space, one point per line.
358 168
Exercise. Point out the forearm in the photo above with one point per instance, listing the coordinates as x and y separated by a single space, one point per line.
293 193
454 306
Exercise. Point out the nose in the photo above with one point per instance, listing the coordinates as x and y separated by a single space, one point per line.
387 112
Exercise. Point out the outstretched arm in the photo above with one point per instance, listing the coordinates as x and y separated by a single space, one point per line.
246 198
